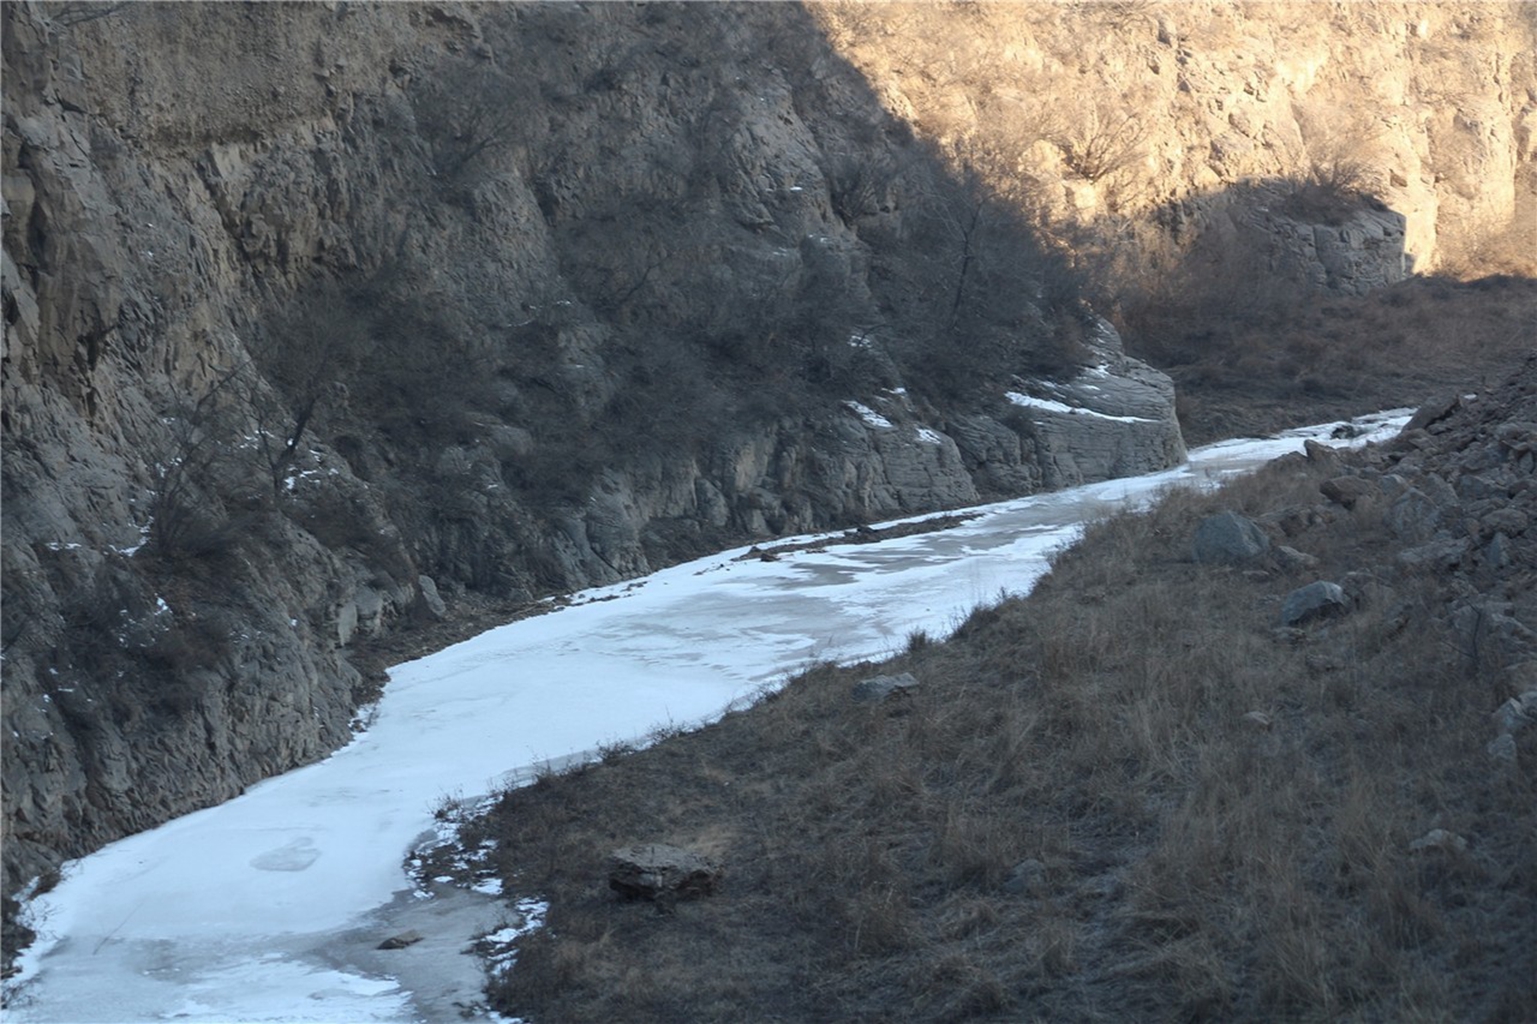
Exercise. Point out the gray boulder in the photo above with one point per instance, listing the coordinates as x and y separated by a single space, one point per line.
1229 538
1434 411
1291 558
1349 490
654 871
878 688
1318 600
1413 516
431 599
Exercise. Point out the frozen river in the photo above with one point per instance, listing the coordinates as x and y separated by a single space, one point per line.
268 907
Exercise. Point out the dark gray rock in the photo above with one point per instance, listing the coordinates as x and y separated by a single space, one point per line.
1434 411
1318 600
1509 521
402 940
1320 454
430 597
1413 516
1498 551
1445 553
1516 713
1229 538
1291 558
1349 490
653 871
878 688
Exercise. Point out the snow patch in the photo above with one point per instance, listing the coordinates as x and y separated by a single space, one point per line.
869 415
500 948
1050 405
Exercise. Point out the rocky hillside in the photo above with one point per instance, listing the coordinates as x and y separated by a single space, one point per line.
409 306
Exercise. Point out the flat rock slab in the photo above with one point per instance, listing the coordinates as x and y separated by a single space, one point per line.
654 871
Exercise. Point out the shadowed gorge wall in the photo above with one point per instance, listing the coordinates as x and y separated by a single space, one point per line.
407 306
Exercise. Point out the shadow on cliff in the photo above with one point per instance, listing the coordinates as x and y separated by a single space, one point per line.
363 331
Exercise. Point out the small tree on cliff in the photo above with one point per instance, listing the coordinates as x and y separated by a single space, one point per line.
304 357
467 113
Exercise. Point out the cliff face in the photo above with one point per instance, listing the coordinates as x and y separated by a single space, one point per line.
321 317
1174 118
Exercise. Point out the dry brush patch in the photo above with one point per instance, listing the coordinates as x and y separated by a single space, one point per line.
1255 359
1126 796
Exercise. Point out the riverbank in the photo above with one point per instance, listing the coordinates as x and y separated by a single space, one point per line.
1136 792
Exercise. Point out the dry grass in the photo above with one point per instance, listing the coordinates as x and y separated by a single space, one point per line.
1185 863
1251 363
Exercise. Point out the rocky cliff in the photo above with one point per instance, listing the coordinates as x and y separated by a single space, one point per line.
321 318
1163 121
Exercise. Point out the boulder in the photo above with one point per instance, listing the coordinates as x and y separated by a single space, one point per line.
1413 516
653 871
402 940
1517 712
1320 454
1503 748
431 599
878 688
1349 490
1291 558
1229 538
1318 600
1439 555
1434 411
1508 520
1439 839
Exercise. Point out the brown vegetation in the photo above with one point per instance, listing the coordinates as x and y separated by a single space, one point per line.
1125 797
1254 354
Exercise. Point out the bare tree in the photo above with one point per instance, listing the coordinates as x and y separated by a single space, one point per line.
1102 141
186 517
303 359
468 112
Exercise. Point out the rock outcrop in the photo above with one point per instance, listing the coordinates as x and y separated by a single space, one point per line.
1201 116
657 871
1458 493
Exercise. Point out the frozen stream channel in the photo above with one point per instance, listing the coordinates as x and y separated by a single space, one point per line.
268 907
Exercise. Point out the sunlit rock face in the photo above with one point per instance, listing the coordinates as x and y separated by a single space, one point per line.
1167 112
